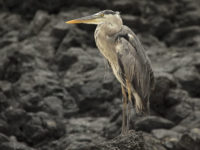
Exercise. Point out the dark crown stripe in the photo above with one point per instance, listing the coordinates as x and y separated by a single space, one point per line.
107 12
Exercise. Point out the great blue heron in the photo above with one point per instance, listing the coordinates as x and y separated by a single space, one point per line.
126 56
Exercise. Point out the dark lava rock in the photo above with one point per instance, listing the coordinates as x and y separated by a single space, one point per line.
6 89
15 119
137 24
152 143
3 138
161 27
190 140
4 103
41 128
31 102
168 137
65 59
28 8
126 6
134 140
76 38
58 32
40 19
192 120
11 22
84 132
189 78
176 96
179 129
178 112
16 59
85 81
152 122
189 18
41 82
32 128
52 105
164 82
165 133
180 35
10 27
4 127
13 144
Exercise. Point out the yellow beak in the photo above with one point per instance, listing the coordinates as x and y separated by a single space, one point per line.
75 21
94 19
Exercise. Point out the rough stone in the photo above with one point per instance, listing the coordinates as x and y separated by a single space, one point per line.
164 82
152 122
138 24
52 105
13 144
165 133
189 78
181 34
169 138
3 138
40 19
179 112
176 96
190 140
134 140
152 143
41 128
192 120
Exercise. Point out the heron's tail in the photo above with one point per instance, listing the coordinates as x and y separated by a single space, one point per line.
141 106
141 103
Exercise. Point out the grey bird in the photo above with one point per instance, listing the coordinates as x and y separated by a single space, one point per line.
126 56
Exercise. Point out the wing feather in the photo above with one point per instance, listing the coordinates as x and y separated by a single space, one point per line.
135 63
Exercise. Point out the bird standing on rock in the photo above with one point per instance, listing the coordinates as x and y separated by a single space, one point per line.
126 56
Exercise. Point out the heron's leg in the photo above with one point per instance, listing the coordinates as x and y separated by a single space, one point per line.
124 112
130 104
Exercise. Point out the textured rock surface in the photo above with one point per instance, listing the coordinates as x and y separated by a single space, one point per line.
57 94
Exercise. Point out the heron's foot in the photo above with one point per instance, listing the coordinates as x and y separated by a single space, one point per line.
124 131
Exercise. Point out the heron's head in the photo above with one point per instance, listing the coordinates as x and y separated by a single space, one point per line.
98 18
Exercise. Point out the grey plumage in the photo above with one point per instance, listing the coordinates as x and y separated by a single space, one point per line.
128 59
137 68
126 56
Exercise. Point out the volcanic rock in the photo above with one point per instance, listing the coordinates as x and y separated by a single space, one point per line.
152 122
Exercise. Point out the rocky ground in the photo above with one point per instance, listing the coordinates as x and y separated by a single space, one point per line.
56 94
